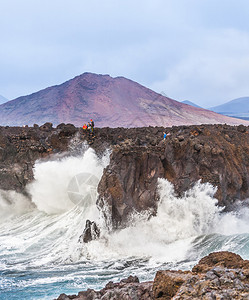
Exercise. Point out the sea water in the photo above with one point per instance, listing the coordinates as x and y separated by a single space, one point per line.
40 252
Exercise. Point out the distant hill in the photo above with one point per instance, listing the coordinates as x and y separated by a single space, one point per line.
113 102
238 108
3 99
191 103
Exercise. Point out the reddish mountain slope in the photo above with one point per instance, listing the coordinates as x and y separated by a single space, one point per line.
113 102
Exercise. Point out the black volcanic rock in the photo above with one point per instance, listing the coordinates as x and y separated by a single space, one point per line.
91 232
215 154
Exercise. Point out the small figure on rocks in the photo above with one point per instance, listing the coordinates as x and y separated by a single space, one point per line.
84 129
91 232
92 126
165 135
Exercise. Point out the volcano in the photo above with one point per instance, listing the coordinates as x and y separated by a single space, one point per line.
112 102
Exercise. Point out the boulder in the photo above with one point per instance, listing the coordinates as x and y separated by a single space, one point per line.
167 283
46 127
224 259
66 130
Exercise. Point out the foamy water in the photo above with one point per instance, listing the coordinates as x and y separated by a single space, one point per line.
40 253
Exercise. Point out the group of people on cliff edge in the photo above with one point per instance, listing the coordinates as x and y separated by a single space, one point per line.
89 128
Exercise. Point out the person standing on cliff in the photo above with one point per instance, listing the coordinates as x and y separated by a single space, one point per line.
165 135
89 128
84 127
92 126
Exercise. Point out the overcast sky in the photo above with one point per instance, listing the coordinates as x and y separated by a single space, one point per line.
195 50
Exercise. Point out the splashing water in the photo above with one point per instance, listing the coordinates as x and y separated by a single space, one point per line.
40 253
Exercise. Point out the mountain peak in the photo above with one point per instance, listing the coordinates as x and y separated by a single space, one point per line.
113 102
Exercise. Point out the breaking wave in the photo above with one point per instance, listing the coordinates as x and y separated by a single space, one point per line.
39 238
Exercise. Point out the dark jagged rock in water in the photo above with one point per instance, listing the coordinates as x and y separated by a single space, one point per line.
220 275
91 232
218 154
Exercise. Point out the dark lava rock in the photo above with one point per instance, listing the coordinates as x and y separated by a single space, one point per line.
46 127
203 153
91 232
129 289
67 129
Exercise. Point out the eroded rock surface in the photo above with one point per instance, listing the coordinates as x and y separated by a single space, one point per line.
129 288
216 154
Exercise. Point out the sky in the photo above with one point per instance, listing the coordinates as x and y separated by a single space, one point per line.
196 50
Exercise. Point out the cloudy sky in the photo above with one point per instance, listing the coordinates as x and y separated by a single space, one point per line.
195 50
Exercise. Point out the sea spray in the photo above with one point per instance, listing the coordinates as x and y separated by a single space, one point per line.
13 203
167 235
40 251
49 191
47 229
236 221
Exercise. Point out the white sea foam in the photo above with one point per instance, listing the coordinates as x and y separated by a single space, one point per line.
235 222
49 191
42 237
49 231
168 235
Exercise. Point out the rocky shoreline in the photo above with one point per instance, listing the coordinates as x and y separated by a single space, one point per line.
218 154
220 275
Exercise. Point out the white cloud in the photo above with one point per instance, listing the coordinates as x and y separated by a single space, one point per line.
191 49
213 72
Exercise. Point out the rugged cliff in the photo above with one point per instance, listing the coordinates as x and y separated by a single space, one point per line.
218 154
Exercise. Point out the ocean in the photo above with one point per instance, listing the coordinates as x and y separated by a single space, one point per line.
40 252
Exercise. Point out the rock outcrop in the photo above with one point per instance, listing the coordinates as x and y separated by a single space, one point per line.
220 275
128 288
91 232
216 154
20 147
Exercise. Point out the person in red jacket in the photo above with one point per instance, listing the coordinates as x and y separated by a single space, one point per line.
84 129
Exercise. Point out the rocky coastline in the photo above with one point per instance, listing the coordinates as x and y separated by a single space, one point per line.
218 154
220 275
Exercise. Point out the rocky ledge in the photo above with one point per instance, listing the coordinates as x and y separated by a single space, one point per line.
218 154
220 275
